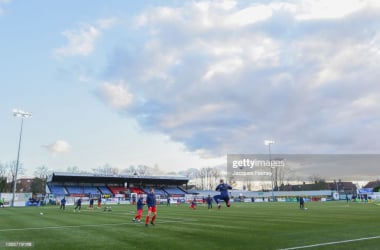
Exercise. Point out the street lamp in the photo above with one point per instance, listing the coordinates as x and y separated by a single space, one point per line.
22 114
268 143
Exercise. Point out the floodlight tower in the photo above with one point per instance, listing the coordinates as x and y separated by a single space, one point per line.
268 143
22 114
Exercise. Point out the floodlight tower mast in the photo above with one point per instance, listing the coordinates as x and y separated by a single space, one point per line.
22 114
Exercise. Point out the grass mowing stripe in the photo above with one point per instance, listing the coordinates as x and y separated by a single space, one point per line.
93 225
60 227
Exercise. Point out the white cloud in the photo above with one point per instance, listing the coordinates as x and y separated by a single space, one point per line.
82 42
60 146
116 95
249 15
223 67
320 10
327 9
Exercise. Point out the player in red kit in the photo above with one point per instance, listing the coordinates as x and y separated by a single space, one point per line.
193 204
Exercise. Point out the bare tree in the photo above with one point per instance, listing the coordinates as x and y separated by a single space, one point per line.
144 170
138 170
12 168
3 170
73 169
156 170
190 173
316 178
208 177
106 170
215 177
42 172
39 183
283 173
3 177
202 174
247 183
131 170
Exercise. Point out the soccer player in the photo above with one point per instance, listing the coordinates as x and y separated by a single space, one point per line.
63 203
140 205
302 203
100 202
193 204
152 209
223 188
78 205
91 206
209 201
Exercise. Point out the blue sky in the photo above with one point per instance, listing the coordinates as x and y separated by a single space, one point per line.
180 84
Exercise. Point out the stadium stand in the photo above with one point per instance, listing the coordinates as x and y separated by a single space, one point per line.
84 184
75 190
136 190
174 191
82 190
104 190
57 189
117 190
91 190
157 191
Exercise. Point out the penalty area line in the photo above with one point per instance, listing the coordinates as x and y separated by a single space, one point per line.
331 243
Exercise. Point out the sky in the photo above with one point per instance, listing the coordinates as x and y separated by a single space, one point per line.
181 84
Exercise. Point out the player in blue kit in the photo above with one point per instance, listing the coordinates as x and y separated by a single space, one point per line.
78 205
223 188
209 201
152 209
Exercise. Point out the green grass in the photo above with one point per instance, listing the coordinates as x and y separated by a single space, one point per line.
242 226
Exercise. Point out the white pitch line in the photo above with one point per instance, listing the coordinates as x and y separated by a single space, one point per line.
331 243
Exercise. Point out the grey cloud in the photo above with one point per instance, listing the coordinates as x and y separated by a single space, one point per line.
301 91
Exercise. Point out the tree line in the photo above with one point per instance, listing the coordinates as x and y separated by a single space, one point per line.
7 177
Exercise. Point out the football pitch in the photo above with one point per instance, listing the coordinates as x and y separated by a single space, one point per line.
327 225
